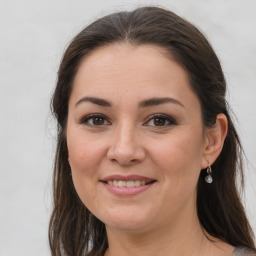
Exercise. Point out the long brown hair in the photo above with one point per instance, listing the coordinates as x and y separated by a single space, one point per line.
73 230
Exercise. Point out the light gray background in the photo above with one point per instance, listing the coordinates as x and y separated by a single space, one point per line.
33 36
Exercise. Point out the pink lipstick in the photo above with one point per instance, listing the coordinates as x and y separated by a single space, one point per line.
127 185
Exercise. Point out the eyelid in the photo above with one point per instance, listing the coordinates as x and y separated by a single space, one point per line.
168 118
85 119
171 121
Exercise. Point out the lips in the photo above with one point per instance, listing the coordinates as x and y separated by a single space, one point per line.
127 185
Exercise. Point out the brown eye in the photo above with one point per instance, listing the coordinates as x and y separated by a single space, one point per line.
95 120
159 121
98 120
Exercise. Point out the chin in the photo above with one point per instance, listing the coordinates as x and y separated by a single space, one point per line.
127 220
136 226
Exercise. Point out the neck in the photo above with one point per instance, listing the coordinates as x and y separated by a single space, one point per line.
180 239
182 236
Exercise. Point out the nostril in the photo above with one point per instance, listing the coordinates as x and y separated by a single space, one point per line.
125 162
125 153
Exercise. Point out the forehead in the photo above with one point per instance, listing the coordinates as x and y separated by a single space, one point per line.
123 69
114 58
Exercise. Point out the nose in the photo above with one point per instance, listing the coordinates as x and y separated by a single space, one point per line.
125 146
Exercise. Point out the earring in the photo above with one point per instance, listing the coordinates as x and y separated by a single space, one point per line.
208 178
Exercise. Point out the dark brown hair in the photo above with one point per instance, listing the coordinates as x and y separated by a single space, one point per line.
73 230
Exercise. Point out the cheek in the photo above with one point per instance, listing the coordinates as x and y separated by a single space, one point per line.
84 159
179 166
183 148
179 158
84 154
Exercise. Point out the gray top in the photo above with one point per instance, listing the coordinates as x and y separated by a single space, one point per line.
243 251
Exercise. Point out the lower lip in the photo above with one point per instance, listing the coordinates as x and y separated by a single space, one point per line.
125 191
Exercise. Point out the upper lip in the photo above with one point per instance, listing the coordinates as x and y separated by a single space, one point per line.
128 177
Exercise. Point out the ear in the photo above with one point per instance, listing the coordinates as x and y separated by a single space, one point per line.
214 140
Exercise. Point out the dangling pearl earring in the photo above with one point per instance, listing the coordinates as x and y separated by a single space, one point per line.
208 178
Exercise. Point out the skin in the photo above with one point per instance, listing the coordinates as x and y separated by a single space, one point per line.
128 140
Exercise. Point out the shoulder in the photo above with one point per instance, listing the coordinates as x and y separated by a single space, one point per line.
244 251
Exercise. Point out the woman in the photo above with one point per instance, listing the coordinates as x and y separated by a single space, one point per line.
147 155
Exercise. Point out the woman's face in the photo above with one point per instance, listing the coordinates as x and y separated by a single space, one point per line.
135 137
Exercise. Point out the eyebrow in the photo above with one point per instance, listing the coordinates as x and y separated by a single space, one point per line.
145 103
97 101
159 101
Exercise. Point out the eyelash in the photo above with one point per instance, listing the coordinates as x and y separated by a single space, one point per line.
85 120
163 117
92 117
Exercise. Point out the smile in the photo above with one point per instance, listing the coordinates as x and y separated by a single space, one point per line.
127 185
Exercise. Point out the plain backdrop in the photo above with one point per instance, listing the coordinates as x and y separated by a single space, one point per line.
33 36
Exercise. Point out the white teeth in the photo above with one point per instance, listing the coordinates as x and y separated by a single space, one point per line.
128 184
136 183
